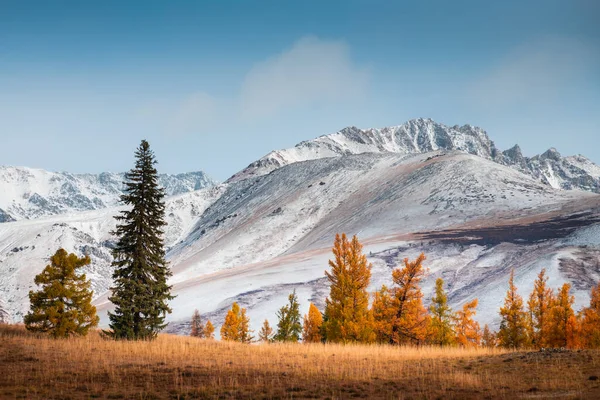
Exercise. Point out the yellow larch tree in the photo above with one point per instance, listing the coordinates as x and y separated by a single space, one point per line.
538 307
347 307
590 321
441 329
384 313
62 307
311 328
563 324
513 326
488 337
468 332
265 334
236 327
230 330
410 319
209 330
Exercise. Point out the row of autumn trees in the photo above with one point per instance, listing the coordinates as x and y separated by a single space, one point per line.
397 314
548 319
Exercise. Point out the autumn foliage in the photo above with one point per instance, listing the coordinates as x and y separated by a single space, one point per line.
347 307
513 326
311 328
236 327
199 330
63 305
410 321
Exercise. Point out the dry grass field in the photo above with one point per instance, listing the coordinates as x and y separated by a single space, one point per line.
175 367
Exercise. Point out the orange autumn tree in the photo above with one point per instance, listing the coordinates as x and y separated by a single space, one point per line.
590 321
488 337
209 330
311 329
468 333
539 305
236 327
347 307
384 313
562 324
404 303
513 326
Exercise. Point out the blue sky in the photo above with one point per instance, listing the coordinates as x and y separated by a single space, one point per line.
214 85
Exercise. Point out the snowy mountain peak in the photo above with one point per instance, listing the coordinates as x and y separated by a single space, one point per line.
424 135
551 154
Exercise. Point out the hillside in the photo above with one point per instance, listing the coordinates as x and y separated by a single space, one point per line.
254 240
271 234
26 246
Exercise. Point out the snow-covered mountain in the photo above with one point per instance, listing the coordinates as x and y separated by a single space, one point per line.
425 135
27 193
476 213
474 218
26 246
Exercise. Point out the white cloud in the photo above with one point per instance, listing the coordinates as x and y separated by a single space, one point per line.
539 71
199 112
311 72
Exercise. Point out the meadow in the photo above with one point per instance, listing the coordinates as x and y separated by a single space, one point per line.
177 367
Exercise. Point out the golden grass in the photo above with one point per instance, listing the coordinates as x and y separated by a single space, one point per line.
32 366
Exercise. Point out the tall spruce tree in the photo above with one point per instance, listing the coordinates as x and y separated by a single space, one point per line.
140 291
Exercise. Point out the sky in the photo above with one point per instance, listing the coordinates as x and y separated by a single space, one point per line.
215 85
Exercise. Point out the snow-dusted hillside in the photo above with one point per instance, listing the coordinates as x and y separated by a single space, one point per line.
425 135
27 193
270 234
26 246
476 213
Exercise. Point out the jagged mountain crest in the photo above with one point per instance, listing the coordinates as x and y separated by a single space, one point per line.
27 193
424 135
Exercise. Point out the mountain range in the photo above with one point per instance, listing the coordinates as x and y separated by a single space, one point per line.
425 135
476 212
27 193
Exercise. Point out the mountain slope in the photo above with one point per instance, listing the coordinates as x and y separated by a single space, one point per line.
271 234
425 135
27 193
255 240
476 213
25 246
